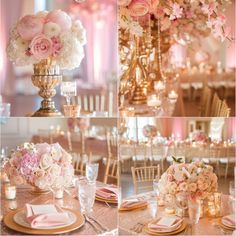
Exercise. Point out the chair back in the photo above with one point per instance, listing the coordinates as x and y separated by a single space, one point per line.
144 175
112 171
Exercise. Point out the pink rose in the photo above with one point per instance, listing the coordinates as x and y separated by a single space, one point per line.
124 2
61 18
29 26
139 8
41 47
56 46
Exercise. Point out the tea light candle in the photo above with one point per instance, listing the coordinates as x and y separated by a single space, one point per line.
173 95
58 193
169 210
159 85
4 178
154 101
10 192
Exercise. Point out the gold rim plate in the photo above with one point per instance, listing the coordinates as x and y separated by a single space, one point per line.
134 208
10 223
180 229
106 200
225 226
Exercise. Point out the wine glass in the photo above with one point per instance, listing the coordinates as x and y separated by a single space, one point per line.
92 171
156 186
68 90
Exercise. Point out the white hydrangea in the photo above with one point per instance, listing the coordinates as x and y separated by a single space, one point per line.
71 53
16 51
79 32
51 29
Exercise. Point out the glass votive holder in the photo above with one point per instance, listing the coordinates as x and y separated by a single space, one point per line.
72 110
58 193
10 192
5 109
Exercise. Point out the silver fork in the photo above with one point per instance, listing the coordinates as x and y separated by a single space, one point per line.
96 229
137 228
105 229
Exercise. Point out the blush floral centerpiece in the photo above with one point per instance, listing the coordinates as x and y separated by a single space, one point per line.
44 166
188 183
49 41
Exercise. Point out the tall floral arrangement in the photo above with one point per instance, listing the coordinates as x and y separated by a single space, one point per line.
178 16
194 180
199 136
41 165
47 35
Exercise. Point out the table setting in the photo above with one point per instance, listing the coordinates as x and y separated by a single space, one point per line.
45 197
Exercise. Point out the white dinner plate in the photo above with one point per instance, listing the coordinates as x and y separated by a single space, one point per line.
20 219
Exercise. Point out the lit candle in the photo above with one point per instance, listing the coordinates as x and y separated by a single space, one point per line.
173 95
153 101
58 193
10 192
159 85
169 210
219 67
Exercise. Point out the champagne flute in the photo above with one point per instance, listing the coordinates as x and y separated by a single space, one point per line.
68 90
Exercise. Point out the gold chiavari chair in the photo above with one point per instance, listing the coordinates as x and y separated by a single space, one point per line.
112 172
228 160
215 107
111 144
205 102
144 176
79 162
224 109
126 152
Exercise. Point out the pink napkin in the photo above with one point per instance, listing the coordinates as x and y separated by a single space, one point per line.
165 224
133 203
108 193
230 220
45 215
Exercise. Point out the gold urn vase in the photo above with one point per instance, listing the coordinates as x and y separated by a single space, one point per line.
46 77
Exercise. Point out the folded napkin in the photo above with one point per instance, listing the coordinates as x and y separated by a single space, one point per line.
230 220
165 224
133 203
109 193
46 216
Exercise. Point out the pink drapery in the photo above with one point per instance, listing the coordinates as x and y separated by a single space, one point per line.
230 128
10 12
99 20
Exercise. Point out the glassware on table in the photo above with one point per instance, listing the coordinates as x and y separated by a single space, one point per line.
194 211
182 205
156 186
5 109
68 90
86 195
72 110
152 206
92 171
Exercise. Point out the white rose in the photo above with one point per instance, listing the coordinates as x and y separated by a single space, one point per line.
56 152
45 161
55 170
183 187
51 29
192 187
172 188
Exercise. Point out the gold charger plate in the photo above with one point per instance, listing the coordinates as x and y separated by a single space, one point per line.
10 223
106 200
180 229
134 208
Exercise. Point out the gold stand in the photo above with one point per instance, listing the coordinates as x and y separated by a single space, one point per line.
46 77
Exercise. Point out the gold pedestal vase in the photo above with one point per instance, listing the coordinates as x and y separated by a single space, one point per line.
46 77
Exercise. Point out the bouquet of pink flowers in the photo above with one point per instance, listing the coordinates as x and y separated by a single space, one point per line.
195 180
47 35
149 131
199 136
41 165
180 17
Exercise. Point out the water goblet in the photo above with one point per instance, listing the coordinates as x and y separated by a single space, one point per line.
92 171
68 90
86 195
